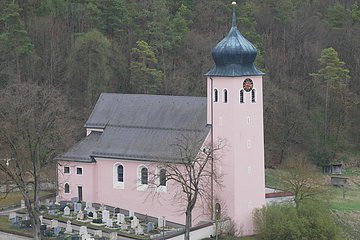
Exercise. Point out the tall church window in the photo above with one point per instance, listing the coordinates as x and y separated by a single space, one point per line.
242 100
225 95
67 188
144 176
162 177
120 173
253 97
216 95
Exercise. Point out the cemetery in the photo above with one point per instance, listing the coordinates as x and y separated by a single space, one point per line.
85 221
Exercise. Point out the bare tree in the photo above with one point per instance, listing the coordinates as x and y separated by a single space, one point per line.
191 172
302 179
34 128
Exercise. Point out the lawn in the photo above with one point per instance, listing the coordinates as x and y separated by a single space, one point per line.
14 198
5 227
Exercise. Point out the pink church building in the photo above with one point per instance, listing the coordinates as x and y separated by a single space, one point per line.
127 134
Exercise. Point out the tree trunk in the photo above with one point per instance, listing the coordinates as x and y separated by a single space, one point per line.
187 224
34 217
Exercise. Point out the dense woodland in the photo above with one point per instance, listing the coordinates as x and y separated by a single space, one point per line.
309 50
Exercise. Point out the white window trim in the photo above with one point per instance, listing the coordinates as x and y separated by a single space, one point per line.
68 172
227 95
69 188
160 188
139 186
82 170
116 183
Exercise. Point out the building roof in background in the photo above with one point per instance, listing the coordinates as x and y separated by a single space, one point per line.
141 127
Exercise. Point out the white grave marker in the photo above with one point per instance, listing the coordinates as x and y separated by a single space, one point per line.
161 222
54 223
105 215
22 204
134 223
113 236
68 228
98 233
66 211
83 230
109 223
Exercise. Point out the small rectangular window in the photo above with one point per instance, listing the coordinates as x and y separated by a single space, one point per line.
67 170
79 171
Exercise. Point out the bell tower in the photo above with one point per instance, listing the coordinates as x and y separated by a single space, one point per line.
235 112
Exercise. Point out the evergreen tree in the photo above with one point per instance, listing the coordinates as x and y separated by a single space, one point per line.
88 68
15 43
145 78
333 79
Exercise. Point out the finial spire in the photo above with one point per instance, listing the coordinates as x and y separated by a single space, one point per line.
234 15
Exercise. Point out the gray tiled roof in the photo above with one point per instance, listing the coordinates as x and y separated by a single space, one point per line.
141 127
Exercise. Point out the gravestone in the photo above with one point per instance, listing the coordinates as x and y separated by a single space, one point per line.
66 211
88 205
161 222
139 230
90 210
134 223
102 207
22 204
74 199
95 216
57 199
113 236
43 227
57 230
109 223
12 215
63 204
77 207
131 213
26 217
105 215
120 218
116 211
15 220
80 216
41 219
150 227
83 230
98 233
54 223
68 228
124 226
52 212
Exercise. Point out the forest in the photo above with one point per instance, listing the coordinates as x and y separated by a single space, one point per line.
309 50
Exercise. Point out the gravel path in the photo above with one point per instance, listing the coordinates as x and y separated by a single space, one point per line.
9 236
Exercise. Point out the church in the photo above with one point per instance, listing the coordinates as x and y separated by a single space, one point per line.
127 134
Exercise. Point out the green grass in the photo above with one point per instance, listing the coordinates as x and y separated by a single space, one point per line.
14 198
351 202
5 227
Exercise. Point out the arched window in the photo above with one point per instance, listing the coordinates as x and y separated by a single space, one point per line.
67 188
225 96
242 100
253 97
120 173
162 177
144 176
216 95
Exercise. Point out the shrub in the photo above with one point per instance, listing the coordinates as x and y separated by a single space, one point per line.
90 214
42 207
310 221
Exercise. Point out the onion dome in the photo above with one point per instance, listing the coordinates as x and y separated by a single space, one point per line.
234 55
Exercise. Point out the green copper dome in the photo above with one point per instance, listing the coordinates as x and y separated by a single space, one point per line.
234 56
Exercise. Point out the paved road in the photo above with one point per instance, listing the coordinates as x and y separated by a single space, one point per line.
9 236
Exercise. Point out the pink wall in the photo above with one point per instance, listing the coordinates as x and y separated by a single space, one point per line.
241 124
98 187
86 180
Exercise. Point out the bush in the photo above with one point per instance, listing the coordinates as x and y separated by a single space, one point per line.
42 207
281 222
90 214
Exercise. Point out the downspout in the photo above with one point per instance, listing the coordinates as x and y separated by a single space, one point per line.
212 148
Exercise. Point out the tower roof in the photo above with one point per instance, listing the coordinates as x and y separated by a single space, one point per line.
234 55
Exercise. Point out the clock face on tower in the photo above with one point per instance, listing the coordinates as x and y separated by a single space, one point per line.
248 85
